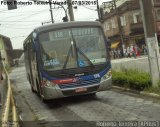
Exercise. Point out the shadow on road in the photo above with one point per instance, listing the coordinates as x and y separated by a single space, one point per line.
57 103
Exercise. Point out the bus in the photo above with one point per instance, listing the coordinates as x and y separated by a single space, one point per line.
67 59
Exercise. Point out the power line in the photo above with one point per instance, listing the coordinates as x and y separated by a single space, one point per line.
21 21
18 20
31 15
60 13
18 27
19 24
90 8
18 15
18 36
7 9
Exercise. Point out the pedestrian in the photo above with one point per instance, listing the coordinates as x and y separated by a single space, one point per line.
128 51
145 49
119 53
138 51
115 53
131 50
125 52
134 52
112 54
122 54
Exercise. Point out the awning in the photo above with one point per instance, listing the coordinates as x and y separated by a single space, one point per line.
115 45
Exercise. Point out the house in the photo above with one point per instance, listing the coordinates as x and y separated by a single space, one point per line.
124 26
16 54
5 48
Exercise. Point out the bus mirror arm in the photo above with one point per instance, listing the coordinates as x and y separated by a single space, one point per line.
108 43
33 47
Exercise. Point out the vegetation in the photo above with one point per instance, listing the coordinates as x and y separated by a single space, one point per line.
153 89
132 79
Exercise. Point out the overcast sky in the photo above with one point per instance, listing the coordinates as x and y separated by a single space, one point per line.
18 24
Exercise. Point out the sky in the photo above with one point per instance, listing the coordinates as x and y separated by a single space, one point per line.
17 24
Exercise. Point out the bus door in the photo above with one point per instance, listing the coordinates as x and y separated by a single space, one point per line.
32 65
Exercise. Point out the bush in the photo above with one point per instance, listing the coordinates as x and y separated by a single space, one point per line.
153 89
131 79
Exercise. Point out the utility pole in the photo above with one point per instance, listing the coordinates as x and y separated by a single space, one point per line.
151 40
50 6
119 26
70 10
98 10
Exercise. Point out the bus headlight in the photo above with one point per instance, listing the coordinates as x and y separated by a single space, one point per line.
107 75
47 83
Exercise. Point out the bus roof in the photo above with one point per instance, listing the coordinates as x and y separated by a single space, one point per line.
66 25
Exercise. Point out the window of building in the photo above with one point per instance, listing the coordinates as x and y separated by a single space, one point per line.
137 18
158 14
107 26
123 21
113 23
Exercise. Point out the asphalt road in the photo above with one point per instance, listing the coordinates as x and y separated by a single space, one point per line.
110 106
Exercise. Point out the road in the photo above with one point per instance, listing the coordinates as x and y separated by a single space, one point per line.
110 105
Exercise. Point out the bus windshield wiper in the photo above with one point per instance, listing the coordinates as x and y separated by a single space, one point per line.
76 51
68 55
81 52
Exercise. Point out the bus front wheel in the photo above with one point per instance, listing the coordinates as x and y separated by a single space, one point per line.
33 89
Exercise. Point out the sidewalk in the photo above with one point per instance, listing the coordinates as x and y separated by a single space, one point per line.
142 93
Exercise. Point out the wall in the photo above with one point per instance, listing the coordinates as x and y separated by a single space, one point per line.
3 52
140 64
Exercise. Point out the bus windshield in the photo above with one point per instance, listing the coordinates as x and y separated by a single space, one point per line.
72 48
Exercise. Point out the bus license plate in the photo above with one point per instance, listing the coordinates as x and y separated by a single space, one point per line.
78 90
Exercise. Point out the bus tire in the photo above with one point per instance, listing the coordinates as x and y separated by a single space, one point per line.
92 94
38 89
29 79
44 100
33 89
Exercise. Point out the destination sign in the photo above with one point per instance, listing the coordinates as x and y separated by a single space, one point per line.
65 33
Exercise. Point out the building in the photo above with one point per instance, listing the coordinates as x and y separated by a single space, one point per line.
5 48
124 26
16 54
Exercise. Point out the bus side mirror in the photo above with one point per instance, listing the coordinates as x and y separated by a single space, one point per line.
34 34
33 46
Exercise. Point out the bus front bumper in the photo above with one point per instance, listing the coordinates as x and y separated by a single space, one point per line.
57 92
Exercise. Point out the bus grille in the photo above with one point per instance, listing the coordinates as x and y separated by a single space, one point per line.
80 84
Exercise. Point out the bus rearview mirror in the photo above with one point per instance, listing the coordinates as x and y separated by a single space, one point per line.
109 42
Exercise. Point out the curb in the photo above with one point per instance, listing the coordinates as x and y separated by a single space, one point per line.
153 95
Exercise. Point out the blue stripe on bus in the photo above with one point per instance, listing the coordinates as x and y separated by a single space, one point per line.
44 74
102 73
89 77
